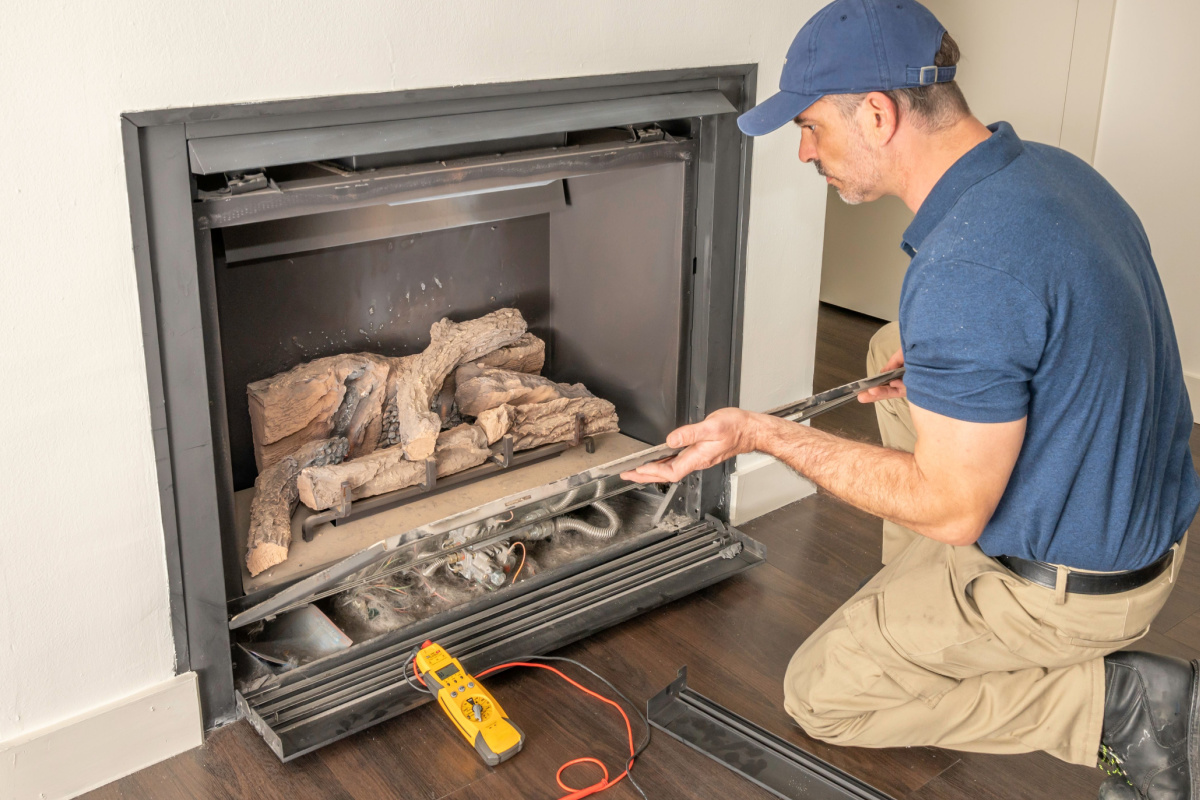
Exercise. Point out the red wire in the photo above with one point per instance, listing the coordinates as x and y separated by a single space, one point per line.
603 783
417 672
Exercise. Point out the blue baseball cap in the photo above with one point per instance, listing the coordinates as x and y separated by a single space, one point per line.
850 47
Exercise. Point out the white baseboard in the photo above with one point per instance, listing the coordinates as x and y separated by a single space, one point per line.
760 484
1192 382
83 753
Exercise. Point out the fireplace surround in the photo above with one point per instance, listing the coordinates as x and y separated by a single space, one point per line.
610 210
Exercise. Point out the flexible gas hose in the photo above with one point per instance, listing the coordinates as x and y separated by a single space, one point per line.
565 500
548 527
592 531
432 566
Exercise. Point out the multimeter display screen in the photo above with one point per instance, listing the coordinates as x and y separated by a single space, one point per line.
446 672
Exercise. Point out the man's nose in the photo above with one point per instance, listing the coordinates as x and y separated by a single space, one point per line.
808 153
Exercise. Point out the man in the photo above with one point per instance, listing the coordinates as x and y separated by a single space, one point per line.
1037 483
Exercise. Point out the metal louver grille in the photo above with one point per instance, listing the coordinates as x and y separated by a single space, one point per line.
348 694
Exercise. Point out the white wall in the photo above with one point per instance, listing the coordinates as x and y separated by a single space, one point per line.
83 585
1147 149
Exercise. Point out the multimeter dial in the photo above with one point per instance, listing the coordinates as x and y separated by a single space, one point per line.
477 707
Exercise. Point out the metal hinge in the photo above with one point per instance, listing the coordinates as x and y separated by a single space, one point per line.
647 133
243 182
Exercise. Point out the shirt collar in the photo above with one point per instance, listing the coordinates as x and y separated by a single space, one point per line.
989 156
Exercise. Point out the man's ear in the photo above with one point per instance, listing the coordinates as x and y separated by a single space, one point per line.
879 117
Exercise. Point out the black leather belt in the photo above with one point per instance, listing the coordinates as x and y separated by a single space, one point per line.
1044 574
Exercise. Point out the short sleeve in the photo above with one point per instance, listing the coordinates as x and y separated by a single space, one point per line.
973 337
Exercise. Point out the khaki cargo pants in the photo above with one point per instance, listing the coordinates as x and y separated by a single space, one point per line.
945 647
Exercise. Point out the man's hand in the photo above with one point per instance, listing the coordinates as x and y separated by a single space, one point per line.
889 390
723 434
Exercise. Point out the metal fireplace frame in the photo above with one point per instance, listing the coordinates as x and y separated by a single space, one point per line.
173 260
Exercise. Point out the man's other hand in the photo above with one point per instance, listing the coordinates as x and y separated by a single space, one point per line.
890 390
722 435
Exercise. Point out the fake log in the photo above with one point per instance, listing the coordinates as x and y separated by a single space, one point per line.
329 397
479 388
275 496
495 422
387 469
555 421
320 487
415 380
527 354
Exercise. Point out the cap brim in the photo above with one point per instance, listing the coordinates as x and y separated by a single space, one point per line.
773 113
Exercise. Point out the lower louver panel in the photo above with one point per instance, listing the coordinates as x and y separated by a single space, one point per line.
327 702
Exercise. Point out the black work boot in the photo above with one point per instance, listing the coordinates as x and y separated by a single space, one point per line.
1151 714
1117 788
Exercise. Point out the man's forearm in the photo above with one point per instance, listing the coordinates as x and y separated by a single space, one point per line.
886 483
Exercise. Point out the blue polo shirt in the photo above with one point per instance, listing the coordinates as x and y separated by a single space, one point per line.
1032 293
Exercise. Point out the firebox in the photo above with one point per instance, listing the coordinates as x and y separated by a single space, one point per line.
606 215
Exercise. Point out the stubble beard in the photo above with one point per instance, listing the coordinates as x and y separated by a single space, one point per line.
861 173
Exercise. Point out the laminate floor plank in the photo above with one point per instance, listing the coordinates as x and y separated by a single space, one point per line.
735 637
842 338
1033 776
417 755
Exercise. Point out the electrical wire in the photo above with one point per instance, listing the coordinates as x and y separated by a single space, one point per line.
529 661
412 659
634 750
636 709
574 793
524 552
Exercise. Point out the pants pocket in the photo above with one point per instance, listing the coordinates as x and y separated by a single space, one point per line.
928 609
923 627
865 620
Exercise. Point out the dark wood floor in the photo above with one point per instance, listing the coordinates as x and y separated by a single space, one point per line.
736 639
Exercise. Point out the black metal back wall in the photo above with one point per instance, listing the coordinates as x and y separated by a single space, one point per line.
379 297
617 282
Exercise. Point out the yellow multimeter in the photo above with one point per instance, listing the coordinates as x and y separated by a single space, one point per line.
474 711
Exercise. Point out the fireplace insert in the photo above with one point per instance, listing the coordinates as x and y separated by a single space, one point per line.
608 211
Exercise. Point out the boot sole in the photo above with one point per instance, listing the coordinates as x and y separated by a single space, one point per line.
1193 734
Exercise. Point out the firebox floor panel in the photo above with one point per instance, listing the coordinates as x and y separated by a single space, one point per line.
334 542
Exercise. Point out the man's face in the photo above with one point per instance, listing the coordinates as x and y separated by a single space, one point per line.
837 147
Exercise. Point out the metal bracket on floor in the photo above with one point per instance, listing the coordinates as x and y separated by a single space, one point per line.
505 456
665 504
430 481
761 757
345 500
578 437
